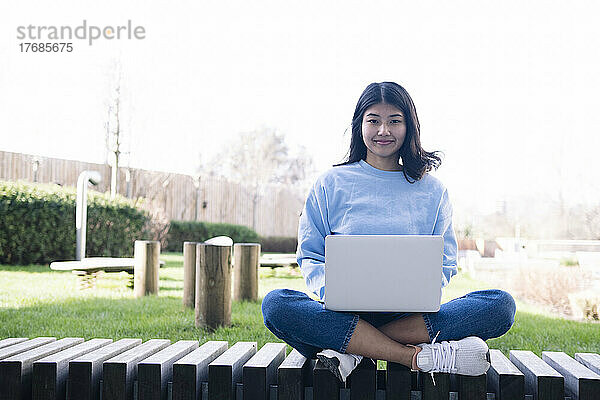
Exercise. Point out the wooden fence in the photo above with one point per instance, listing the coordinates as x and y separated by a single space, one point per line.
74 369
182 197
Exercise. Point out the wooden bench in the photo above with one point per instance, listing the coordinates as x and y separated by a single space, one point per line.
69 368
90 268
275 260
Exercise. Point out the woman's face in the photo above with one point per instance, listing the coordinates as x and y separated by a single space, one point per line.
383 131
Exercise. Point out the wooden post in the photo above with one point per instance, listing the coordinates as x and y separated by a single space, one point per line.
213 286
145 270
245 271
189 274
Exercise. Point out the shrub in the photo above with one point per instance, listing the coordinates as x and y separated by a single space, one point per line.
585 304
192 231
278 244
550 286
37 224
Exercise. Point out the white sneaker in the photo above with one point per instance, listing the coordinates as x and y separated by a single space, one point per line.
468 356
341 365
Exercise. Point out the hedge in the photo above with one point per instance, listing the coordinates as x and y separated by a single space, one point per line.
37 224
192 231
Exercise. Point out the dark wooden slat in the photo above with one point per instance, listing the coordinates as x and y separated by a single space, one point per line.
260 371
85 371
453 384
326 386
472 387
119 372
308 379
504 379
49 379
291 375
590 360
24 346
190 371
11 341
581 383
541 380
381 379
15 371
226 370
415 381
204 392
308 390
439 391
155 371
399 382
363 380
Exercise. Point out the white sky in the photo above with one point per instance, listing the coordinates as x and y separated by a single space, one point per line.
507 89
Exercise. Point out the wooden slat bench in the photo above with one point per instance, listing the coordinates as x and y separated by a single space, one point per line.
16 371
85 371
51 372
120 372
74 369
541 380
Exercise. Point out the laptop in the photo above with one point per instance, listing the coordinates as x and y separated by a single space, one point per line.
386 273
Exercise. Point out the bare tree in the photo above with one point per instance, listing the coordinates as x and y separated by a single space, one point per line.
114 137
256 159
593 221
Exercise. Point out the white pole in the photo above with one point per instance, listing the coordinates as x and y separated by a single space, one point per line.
81 210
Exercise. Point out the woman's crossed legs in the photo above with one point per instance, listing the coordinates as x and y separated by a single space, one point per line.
308 327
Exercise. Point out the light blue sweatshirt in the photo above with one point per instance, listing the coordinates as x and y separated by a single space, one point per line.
359 199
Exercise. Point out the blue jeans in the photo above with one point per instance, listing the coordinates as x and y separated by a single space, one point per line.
307 326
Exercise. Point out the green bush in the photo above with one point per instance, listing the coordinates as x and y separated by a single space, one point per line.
191 231
278 244
37 224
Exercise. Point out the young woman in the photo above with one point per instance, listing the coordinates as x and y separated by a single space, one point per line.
384 188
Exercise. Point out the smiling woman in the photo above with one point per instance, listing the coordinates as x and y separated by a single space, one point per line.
372 194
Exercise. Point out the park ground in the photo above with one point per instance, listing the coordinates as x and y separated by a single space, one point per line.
35 301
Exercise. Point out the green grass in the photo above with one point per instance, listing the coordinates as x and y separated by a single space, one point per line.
35 301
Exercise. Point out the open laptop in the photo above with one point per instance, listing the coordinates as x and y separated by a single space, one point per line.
394 273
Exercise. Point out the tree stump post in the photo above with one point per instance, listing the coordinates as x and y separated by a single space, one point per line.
213 286
189 274
145 270
245 271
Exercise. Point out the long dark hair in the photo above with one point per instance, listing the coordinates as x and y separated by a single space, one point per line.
415 161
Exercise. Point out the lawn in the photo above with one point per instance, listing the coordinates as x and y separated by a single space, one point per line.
35 301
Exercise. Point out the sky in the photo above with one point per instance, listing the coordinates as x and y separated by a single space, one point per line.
506 89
